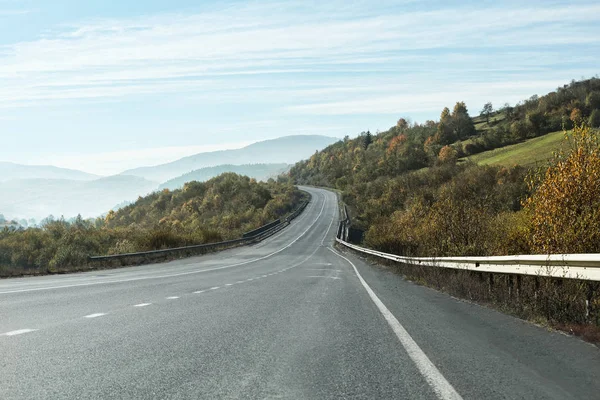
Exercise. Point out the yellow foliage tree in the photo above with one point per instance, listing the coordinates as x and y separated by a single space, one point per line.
447 154
565 205
576 115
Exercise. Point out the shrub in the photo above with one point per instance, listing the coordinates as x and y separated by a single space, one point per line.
594 120
447 155
565 204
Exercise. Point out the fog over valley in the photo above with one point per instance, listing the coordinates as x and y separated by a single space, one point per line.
36 191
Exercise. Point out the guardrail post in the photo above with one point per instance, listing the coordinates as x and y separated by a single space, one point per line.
510 287
589 303
491 284
518 291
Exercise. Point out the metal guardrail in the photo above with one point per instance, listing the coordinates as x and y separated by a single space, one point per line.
298 211
261 229
251 237
567 266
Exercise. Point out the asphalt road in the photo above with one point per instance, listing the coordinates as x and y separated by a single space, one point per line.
289 318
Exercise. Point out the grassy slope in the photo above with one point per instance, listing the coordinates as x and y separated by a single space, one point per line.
529 152
481 124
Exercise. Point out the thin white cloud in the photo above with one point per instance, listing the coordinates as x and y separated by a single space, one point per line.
285 67
429 100
114 58
10 13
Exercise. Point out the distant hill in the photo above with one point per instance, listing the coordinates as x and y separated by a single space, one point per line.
260 172
11 171
38 198
287 149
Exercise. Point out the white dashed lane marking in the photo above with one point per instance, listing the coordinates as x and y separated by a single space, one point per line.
18 332
174 274
324 269
96 315
330 277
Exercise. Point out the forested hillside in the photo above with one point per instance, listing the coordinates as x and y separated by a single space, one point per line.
412 192
219 209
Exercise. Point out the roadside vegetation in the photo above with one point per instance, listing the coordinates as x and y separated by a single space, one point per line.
411 192
499 184
202 212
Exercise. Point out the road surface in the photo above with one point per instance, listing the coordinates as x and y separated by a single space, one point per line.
289 318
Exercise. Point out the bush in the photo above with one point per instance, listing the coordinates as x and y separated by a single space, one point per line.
565 204
592 100
594 120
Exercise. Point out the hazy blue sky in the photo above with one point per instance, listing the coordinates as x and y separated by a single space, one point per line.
106 85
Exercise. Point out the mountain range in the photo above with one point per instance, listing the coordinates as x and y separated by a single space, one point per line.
11 171
28 191
287 150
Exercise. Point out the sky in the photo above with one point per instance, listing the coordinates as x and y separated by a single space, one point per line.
103 86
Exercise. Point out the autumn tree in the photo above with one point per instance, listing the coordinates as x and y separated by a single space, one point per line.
445 132
508 111
367 140
402 124
565 204
576 115
536 120
518 130
592 101
462 123
487 111
447 155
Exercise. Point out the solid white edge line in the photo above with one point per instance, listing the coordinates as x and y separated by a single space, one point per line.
96 315
18 332
171 275
442 388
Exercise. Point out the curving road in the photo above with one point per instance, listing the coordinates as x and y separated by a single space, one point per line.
289 318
